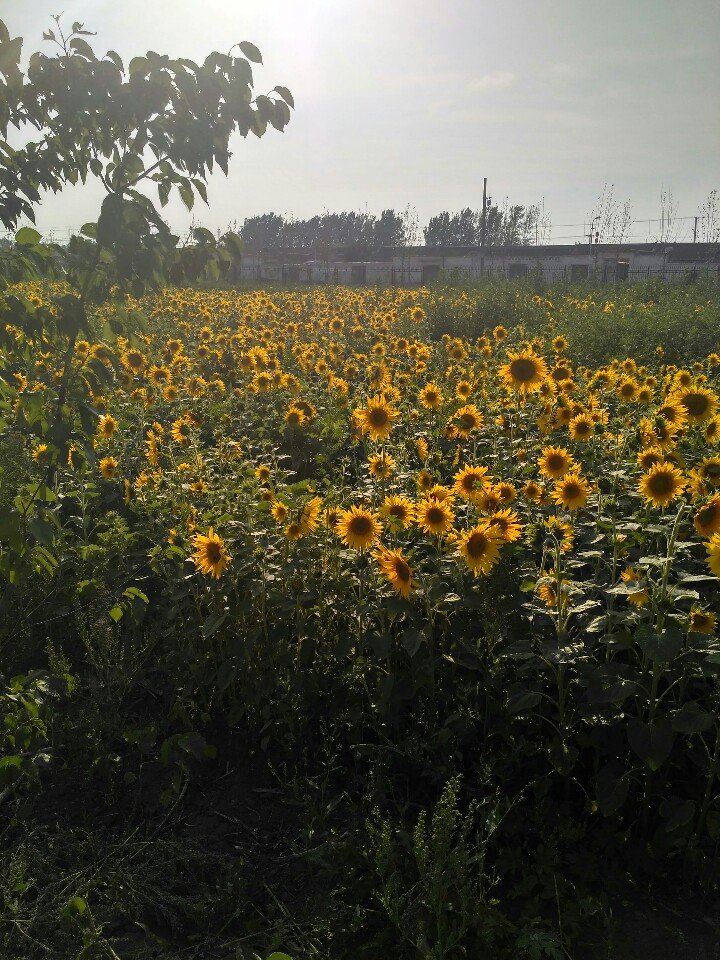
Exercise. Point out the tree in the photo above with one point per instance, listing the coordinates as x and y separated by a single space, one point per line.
159 123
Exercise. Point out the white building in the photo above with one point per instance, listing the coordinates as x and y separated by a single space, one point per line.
409 266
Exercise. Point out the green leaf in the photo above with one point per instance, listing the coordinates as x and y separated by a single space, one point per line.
10 770
286 95
659 648
251 51
116 613
611 791
521 701
691 719
27 237
186 195
652 742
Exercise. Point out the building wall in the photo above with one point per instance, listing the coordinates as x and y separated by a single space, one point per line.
413 267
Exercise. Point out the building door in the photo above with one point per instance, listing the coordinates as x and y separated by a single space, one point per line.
358 274
430 272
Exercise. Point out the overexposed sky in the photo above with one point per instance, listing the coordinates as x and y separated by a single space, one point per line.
414 101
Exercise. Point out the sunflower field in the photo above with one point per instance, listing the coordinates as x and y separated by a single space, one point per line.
348 620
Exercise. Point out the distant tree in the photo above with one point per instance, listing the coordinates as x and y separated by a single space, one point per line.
350 229
504 226
709 219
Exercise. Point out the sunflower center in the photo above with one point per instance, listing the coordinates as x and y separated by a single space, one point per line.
662 483
378 417
360 526
477 545
402 571
435 515
523 370
572 490
696 404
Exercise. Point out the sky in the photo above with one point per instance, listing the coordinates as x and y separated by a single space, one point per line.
414 101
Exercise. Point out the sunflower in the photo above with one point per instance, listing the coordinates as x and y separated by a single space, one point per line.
525 371
581 427
434 516
562 531
133 360
262 474
75 457
107 426
210 555
548 591
108 467
640 596
431 396
555 462
358 527
376 418
533 491
310 515
381 465
280 511
508 523
480 548
701 621
700 404
661 484
159 376
467 419
294 530
709 471
470 482
627 389
712 430
421 446
294 417
424 480
396 570
713 554
707 518
397 512
649 457
181 431
571 491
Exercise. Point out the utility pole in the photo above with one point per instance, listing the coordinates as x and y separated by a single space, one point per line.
695 231
484 213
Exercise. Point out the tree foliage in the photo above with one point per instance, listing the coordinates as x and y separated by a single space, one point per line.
504 226
346 229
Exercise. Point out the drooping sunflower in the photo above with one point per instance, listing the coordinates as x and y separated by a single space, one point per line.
508 523
108 467
709 471
434 516
377 418
701 621
310 515
713 554
397 512
181 431
661 484
637 597
280 511
210 555
700 404
555 462
480 548
707 518
525 372
470 482
358 527
396 569
562 531
571 491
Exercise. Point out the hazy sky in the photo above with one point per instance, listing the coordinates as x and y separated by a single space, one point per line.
414 101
